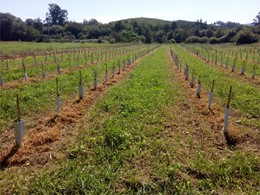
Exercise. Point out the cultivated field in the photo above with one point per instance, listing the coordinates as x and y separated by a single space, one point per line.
141 125
11 49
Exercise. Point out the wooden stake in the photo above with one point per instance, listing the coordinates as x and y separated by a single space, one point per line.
119 67
18 108
92 58
113 70
57 87
199 87
212 86
80 77
85 57
192 79
229 97
226 118
221 59
78 61
234 65
211 95
81 88
253 72
106 73
58 67
7 64
23 64
43 71
95 79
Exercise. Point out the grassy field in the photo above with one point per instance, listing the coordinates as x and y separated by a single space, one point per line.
226 55
245 92
34 93
13 69
14 48
144 135
246 97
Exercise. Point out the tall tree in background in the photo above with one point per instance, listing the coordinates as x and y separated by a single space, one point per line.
7 26
148 34
11 28
38 24
56 15
174 25
257 19
92 22
118 26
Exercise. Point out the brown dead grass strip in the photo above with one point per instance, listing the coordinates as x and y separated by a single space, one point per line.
246 77
53 130
215 117
17 83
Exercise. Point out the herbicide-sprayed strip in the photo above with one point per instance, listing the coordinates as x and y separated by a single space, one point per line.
58 69
150 138
239 62
236 74
47 140
215 115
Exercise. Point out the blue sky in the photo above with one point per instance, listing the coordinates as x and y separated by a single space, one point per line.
242 11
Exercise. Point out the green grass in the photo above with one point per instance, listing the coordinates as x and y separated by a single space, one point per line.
246 97
66 61
237 174
39 96
124 147
11 48
248 56
129 118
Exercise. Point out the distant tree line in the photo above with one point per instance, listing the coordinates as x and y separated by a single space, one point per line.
56 27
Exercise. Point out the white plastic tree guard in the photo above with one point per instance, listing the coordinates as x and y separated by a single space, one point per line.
211 95
58 104
25 76
243 70
81 91
19 125
19 129
226 118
